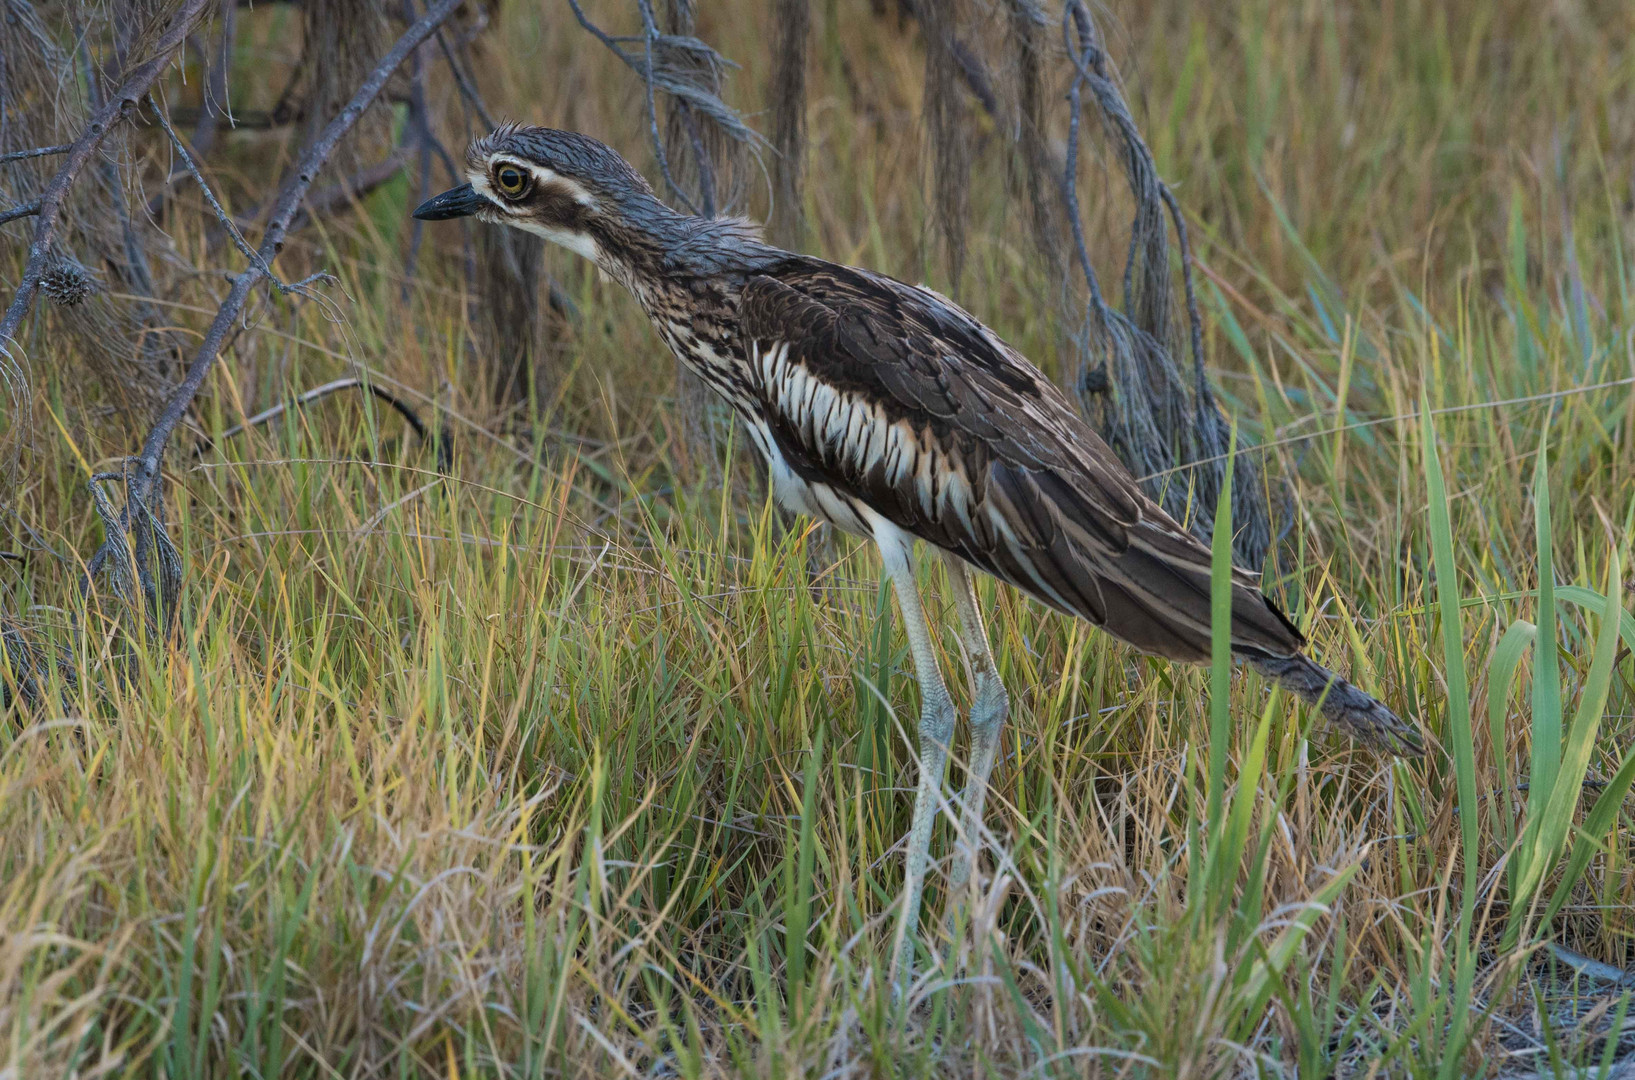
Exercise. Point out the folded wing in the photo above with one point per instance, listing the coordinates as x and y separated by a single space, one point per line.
899 399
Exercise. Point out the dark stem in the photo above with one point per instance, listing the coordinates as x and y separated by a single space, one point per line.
467 88
17 212
644 68
227 223
38 151
317 393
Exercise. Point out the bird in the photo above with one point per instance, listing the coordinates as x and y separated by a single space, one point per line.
888 411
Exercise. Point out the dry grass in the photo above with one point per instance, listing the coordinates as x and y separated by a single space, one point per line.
557 767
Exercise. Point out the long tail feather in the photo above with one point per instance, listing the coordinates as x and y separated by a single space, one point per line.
1349 708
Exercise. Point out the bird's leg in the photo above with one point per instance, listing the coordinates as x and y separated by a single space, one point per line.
990 705
936 729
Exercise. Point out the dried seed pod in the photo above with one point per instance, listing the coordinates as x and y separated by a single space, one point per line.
66 282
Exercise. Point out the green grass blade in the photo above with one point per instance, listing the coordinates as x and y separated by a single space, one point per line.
1458 724
1597 825
1547 833
1507 657
1458 729
798 912
1547 711
1220 654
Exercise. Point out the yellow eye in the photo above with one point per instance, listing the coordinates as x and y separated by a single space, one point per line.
510 180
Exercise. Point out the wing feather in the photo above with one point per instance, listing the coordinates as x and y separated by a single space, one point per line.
898 398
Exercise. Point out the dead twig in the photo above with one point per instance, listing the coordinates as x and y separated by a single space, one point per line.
215 105
643 66
468 89
443 438
38 151
23 211
255 257
671 63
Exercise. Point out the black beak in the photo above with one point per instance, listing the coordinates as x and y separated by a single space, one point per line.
462 201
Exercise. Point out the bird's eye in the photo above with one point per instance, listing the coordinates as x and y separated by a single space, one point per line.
510 180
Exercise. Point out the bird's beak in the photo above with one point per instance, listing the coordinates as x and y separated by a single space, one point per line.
462 201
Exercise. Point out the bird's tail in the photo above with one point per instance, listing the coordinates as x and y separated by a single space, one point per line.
1355 712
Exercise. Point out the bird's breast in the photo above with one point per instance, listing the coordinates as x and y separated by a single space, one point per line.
710 355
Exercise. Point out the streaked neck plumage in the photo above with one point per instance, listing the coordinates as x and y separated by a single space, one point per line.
647 246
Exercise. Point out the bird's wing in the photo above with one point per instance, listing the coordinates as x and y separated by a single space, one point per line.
900 399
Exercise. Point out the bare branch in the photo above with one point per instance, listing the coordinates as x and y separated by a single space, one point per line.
38 151
210 197
672 63
317 393
652 31
17 212
463 81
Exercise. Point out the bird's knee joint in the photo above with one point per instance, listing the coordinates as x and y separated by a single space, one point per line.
937 721
993 701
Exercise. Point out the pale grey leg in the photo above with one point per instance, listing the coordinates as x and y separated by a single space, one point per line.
936 729
990 705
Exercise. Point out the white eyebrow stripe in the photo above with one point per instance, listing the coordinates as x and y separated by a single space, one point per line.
542 174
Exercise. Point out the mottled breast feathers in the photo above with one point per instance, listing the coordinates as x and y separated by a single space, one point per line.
900 399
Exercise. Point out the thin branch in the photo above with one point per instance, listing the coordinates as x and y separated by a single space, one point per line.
38 151
245 120
650 28
1070 187
119 105
217 85
23 211
210 197
1148 418
317 393
467 88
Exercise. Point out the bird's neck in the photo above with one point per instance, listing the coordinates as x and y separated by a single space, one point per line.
646 245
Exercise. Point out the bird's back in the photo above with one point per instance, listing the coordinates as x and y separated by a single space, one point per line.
894 396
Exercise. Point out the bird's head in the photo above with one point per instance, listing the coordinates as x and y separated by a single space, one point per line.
579 193
561 185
